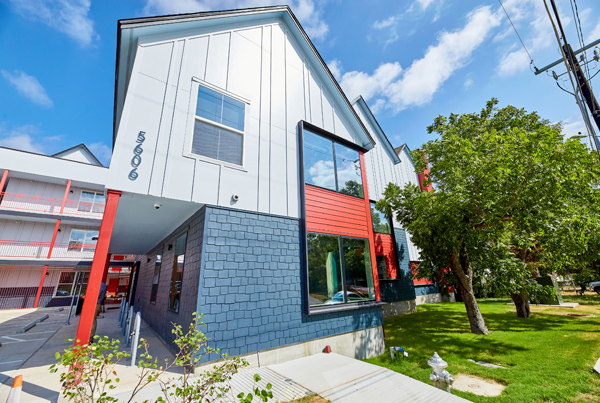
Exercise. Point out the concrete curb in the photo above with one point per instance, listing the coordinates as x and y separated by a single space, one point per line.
43 318
26 327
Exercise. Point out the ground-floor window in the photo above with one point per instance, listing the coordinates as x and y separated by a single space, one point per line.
177 273
156 277
381 267
339 270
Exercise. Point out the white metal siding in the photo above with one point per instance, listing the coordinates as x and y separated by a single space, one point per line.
261 64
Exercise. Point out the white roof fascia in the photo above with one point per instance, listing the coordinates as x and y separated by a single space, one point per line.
360 102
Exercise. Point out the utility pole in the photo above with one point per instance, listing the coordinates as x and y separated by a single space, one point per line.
583 86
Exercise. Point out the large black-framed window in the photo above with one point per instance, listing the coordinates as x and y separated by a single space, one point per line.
156 276
177 273
331 165
339 270
381 223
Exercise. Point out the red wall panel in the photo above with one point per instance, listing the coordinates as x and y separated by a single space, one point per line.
384 246
414 266
335 213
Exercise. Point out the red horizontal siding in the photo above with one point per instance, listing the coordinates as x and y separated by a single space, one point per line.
414 266
334 213
384 246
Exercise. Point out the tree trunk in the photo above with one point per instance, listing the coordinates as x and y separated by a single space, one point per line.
462 268
521 301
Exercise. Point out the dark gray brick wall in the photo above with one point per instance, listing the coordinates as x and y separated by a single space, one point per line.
157 314
251 285
401 289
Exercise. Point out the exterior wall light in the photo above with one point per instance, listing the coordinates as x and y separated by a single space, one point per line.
440 377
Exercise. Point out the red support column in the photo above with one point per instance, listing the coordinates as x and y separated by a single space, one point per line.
3 180
370 225
106 268
62 208
98 265
39 291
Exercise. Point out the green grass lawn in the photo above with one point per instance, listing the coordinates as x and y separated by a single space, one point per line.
549 356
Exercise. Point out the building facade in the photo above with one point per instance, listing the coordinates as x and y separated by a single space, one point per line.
51 208
244 182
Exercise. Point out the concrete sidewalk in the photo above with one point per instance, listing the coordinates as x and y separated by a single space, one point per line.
334 377
39 385
342 379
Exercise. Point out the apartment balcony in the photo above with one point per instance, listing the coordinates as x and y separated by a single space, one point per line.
39 250
29 203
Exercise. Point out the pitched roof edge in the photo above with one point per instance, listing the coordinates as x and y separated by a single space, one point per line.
96 160
173 18
360 101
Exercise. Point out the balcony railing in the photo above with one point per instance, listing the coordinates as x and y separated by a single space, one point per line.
39 250
50 205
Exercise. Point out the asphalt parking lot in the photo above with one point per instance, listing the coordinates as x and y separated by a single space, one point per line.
18 347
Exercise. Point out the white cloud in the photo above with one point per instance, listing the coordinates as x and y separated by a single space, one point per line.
101 151
385 23
537 34
595 34
390 28
468 83
423 4
20 139
355 83
29 87
322 174
309 12
417 85
513 62
335 66
573 126
67 16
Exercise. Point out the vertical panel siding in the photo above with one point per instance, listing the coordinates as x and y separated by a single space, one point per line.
335 213
262 64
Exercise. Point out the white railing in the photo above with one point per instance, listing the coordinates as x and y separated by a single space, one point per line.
39 250
50 205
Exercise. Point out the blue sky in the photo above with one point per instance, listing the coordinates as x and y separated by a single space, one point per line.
411 60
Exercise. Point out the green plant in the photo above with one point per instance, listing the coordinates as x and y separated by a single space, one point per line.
262 394
91 370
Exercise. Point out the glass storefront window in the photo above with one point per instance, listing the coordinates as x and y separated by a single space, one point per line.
381 267
335 278
156 278
324 270
359 272
331 165
318 161
177 273
381 223
348 171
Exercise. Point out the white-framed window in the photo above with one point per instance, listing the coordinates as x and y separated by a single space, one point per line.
83 240
219 122
91 201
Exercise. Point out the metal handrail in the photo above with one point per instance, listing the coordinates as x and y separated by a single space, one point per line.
50 205
39 250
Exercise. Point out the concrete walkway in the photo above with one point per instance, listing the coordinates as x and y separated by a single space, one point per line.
341 379
37 354
334 377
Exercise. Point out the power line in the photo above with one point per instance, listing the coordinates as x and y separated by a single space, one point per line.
575 11
519 36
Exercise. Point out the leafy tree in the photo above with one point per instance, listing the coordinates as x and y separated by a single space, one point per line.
506 185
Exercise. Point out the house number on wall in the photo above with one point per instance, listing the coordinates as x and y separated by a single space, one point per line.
137 160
